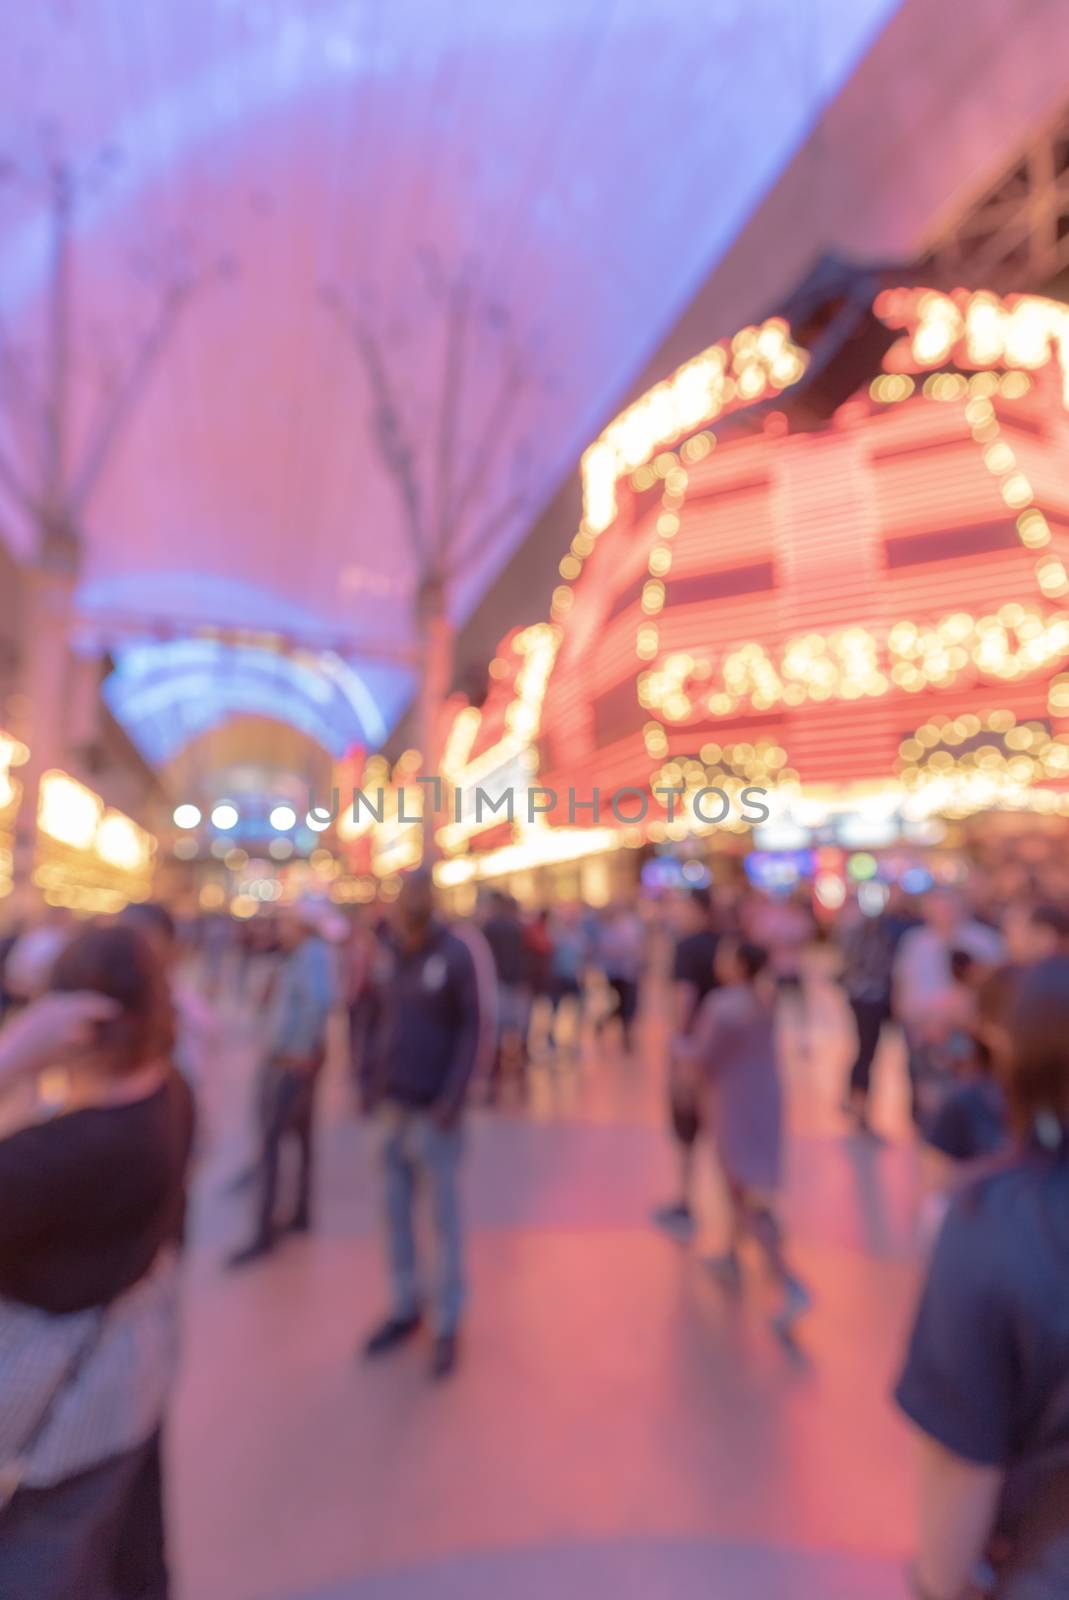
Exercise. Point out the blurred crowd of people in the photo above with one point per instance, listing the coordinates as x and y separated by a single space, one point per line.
110 1057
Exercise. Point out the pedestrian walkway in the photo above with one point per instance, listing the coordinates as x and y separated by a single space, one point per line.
620 1424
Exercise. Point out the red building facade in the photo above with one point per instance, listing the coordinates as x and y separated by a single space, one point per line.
873 610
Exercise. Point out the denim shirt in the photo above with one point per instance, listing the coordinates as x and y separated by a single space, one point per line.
300 1007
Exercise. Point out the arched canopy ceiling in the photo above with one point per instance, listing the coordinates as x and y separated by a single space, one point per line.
256 762
569 169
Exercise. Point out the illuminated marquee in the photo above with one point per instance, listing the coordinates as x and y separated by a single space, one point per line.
510 762
734 373
975 329
855 663
910 549
805 600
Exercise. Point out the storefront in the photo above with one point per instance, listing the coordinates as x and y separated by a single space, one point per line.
89 857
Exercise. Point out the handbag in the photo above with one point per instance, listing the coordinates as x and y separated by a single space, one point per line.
13 1472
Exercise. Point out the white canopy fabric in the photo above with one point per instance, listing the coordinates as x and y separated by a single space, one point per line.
577 165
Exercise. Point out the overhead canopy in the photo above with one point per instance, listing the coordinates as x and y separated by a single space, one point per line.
573 167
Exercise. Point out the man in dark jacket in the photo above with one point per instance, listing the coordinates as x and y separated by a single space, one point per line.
424 1043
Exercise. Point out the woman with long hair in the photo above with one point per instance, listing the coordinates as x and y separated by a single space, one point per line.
92 1199
986 1380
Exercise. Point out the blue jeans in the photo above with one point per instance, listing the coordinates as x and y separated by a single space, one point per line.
415 1150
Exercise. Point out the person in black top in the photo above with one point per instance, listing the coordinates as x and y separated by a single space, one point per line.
693 977
870 945
504 932
986 1379
424 1043
92 1207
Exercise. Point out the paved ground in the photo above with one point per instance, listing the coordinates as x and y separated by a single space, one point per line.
620 1425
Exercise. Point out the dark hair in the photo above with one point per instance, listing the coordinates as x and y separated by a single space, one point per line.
1039 1061
752 958
1056 918
151 916
702 898
996 995
117 960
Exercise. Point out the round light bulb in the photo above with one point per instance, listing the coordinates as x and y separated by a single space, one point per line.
317 824
224 815
186 816
282 818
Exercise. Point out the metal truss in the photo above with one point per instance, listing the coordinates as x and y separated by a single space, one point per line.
1015 236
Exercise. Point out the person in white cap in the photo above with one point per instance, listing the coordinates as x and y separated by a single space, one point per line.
294 1053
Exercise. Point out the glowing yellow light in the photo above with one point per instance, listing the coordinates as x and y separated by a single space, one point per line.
12 752
979 410
647 643
938 330
697 448
121 843
1033 528
979 329
677 707
653 596
697 392
945 386
1017 491
751 382
1058 694
1052 578
67 811
999 458
570 567
660 561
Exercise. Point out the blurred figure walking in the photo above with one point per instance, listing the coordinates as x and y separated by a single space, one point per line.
693 978
870 945
504 933
567 964
362 953
424 1046
294 1050
734 1046
622 948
